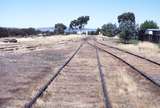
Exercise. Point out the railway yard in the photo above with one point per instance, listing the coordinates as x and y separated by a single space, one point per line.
77 72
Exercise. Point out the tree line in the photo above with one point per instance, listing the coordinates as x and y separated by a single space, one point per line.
127 29
59 28
9 32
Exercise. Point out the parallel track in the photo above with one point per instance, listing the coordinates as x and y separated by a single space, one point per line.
130 65
43 89
103 81
154 62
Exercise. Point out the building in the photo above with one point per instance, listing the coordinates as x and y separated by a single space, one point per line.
152 35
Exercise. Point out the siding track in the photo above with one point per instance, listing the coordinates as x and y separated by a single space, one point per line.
130 65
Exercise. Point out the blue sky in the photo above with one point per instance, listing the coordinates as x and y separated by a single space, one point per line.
45 13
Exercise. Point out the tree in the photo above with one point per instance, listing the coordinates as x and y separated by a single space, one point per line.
127 26
128 31
31 31
98 30
148 25
79 23
83 20
129 16
74 24
4 32
109 29
59 28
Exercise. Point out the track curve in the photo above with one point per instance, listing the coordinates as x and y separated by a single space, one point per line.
130 65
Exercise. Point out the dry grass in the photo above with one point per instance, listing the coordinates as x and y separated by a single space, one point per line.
126 88
141 46
146 49
29 44
145 46
48 40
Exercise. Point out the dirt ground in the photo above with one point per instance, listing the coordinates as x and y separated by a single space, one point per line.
78 86
27 65
22 73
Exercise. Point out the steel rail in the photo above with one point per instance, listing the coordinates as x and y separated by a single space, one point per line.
43 89
131 66
103 82
154 62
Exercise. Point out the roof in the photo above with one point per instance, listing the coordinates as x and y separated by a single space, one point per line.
153 30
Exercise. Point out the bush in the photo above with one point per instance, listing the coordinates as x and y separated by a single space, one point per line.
59 28
133 41
159 45
4 32
109 30
92 33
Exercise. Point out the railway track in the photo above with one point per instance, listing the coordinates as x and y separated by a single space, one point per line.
103 82
106 100
43 89
154 62
130 65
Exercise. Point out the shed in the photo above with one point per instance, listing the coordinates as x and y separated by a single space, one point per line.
152 35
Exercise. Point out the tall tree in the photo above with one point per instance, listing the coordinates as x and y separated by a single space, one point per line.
79 23
74 24
83 20
129 16
59 28
127 26
128 31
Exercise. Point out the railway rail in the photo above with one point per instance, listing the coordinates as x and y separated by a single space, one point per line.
107 103
130 65
103 82
43 89
154 62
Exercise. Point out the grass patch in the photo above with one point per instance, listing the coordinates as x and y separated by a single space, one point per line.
133 42
158 45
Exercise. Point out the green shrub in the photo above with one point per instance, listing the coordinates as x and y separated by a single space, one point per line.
109 30
133 41
159 45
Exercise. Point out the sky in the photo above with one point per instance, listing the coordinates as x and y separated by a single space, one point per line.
46 13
